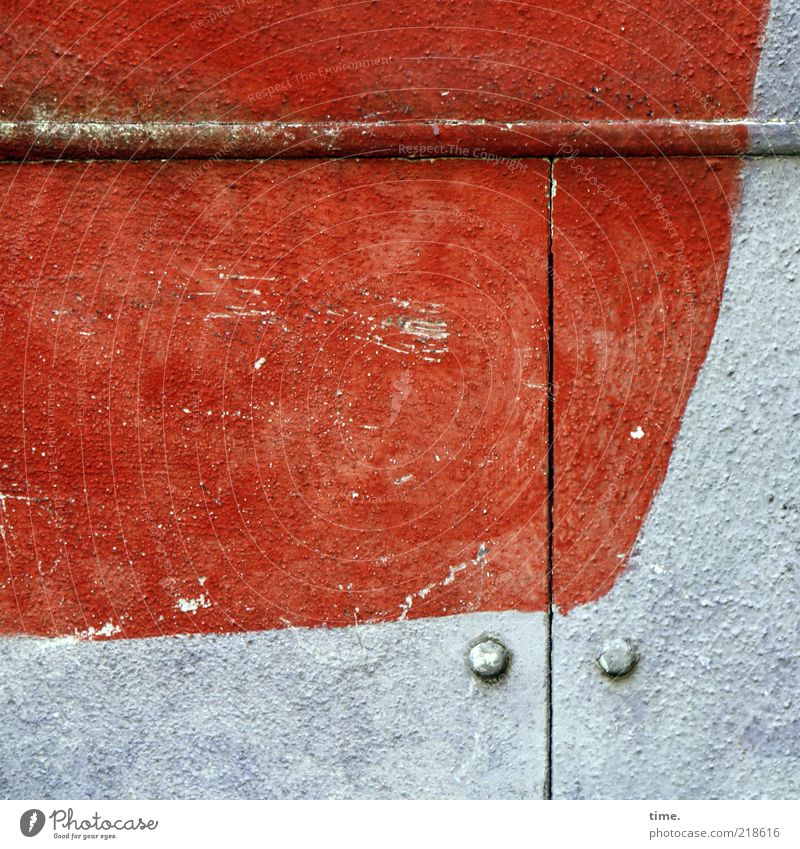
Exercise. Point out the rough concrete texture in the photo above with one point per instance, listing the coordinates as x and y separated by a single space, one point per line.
777 88
386 710
710 598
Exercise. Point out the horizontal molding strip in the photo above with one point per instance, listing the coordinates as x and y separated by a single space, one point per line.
21 141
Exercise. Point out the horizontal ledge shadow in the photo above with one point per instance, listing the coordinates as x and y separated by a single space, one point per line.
54 140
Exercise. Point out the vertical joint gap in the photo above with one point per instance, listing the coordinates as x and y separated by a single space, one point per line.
548 783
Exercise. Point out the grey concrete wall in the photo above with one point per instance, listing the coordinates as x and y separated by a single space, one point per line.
377 711
776 95
711 594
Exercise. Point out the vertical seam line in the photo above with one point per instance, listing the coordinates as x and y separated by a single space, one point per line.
548 784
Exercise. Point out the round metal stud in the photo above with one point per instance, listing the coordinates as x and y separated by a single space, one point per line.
616 658
488 658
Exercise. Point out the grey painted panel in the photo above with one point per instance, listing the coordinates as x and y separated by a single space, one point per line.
777 88
387 710
711 595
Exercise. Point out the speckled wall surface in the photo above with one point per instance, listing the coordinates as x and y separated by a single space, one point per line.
388 710
710 596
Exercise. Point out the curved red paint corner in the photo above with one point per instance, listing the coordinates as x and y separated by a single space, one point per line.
640 256
640 252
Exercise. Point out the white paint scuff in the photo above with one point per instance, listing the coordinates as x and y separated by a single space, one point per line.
422 328
483 551
107 630
192 605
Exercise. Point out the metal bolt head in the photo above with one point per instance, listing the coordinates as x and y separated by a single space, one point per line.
616 658
488 658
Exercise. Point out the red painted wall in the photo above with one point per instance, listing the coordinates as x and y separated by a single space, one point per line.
217 378
244 395
409 61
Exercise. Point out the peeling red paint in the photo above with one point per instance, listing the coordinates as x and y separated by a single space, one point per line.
247 395
640 254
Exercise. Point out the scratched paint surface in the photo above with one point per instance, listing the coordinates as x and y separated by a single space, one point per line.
640 255
248 395
304 61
